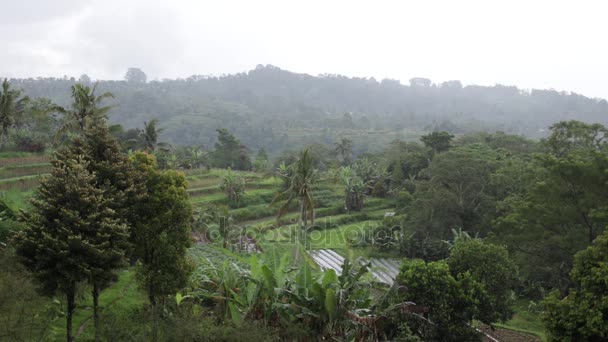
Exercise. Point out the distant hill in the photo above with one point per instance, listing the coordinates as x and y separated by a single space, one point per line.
274 108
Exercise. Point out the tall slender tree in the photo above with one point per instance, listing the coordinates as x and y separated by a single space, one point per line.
114 174
229 152
12 106
86 109
71 232
149 137
354 188
161 229
344 149
302 178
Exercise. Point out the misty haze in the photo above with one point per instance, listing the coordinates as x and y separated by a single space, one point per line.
282 171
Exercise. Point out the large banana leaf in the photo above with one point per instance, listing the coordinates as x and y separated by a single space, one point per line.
330 304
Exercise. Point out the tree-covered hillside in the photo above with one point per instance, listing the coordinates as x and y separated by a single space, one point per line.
273 108
440 239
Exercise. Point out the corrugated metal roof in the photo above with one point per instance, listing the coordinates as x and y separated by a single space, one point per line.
384 270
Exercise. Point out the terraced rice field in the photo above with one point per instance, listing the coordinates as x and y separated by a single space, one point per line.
335 229
19 175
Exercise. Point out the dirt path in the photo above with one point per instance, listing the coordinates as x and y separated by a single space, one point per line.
507 335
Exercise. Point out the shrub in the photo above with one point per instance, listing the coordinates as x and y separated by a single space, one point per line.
447 302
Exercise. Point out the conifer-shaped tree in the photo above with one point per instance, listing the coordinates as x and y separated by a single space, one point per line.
72 234
114 172
115 175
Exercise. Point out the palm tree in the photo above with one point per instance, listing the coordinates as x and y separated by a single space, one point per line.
197 156
284 172
85 111
303 176
149 136
12 106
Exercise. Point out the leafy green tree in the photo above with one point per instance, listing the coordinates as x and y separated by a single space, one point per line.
261 162
71 232
563 210
437 141
581 315
161 230
567 136
229 152
39 119
490 266
262 155
135 75
344 149
516 144
113 170
84 79
85 111
420 82
12 107
447 304
456 193
303 176
114 174
404 161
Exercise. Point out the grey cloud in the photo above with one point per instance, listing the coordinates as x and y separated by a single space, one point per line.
476 42
143 36
24 12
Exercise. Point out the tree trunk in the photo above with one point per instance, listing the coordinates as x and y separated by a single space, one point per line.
354 201
151 296
303 212
96 311
154 322
152 299
71 295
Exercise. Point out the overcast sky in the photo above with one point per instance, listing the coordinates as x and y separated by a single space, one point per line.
531 44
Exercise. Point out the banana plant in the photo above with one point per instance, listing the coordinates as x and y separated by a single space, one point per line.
268 280
224 286
324 302
233 185
354 189
272 290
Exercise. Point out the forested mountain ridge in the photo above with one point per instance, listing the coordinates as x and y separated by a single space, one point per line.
484 225
273 108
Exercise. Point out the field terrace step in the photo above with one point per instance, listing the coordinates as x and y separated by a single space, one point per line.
24 183
23 160
212 189
383 270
